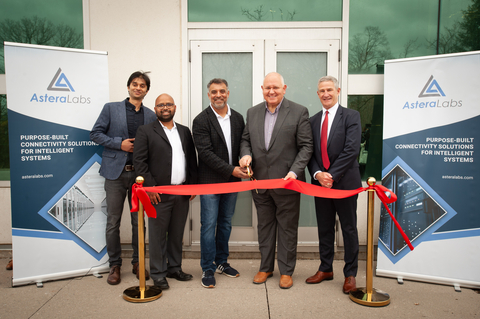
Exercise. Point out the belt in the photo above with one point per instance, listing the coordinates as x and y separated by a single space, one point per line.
129 168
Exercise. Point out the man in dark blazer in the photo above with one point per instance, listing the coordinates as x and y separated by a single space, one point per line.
277 142
165 155
217 131
115 129
337 168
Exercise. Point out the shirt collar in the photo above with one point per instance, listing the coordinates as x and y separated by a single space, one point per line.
332 111
229 113
164 127
276 109
130 105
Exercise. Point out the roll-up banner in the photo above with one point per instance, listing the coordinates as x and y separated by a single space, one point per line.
54 96
430 161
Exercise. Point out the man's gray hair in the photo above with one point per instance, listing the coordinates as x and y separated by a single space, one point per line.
328 78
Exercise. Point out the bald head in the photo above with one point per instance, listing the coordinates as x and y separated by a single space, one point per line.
164 98
274 89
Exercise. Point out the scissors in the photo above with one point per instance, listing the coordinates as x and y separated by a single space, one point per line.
249 173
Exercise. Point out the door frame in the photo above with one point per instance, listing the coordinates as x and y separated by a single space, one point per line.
270 38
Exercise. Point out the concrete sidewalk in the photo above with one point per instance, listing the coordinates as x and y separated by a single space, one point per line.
91 297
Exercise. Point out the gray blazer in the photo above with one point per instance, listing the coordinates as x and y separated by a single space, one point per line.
290 148
109 131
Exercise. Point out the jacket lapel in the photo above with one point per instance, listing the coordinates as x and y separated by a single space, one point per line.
212 117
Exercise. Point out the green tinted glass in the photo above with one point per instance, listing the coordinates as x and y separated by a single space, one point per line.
459 26
48 22
371 114
382 30
266 10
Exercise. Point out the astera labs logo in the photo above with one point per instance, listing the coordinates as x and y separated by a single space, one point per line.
60 83
433 92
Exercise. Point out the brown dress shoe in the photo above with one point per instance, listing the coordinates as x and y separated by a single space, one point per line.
261 277
135 271
10 265
349 285
114 275
286 282
319 277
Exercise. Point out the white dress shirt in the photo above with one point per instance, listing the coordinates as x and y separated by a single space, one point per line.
179 163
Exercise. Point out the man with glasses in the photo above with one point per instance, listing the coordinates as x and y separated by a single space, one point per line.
115 129
165 155
217 131
277 142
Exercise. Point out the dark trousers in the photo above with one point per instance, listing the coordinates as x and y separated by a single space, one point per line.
116 191
166 235
277 217
326 210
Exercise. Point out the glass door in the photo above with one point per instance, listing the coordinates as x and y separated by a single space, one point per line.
244 64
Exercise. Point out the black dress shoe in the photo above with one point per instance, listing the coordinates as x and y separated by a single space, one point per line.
180 275
162 283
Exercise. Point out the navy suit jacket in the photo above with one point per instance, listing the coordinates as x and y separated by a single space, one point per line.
343 146
109 131
213 161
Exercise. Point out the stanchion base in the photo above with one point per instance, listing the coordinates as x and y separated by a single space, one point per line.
133 294
377 298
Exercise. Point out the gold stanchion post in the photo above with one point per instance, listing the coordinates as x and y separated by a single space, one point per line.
369 296
141 293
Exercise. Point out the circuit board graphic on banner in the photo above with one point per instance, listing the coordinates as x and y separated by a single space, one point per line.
54 96
431 127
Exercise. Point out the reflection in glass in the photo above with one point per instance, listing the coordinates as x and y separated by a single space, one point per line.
371 115
382 30
265 10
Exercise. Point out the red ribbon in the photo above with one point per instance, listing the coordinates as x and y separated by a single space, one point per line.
140 193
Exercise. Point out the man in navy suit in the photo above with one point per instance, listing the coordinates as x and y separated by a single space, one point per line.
165 155
217 132
335 166
115 129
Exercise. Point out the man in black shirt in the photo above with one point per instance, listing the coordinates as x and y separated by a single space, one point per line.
115 129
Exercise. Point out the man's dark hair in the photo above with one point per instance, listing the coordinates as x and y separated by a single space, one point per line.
141 75
217 81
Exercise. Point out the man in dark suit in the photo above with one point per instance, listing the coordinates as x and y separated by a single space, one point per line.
277 142
165 155
115 129
334 165
217 131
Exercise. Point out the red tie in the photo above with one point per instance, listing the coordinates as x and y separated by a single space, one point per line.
323 142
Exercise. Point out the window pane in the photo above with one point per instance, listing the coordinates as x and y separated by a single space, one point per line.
371 114
459 26
46 22
382 30
266 10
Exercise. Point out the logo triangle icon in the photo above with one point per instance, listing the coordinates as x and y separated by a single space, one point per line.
60 83
431 89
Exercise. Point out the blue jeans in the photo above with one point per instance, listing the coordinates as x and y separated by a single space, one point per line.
216 219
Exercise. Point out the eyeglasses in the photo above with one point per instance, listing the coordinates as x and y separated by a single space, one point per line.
167 105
